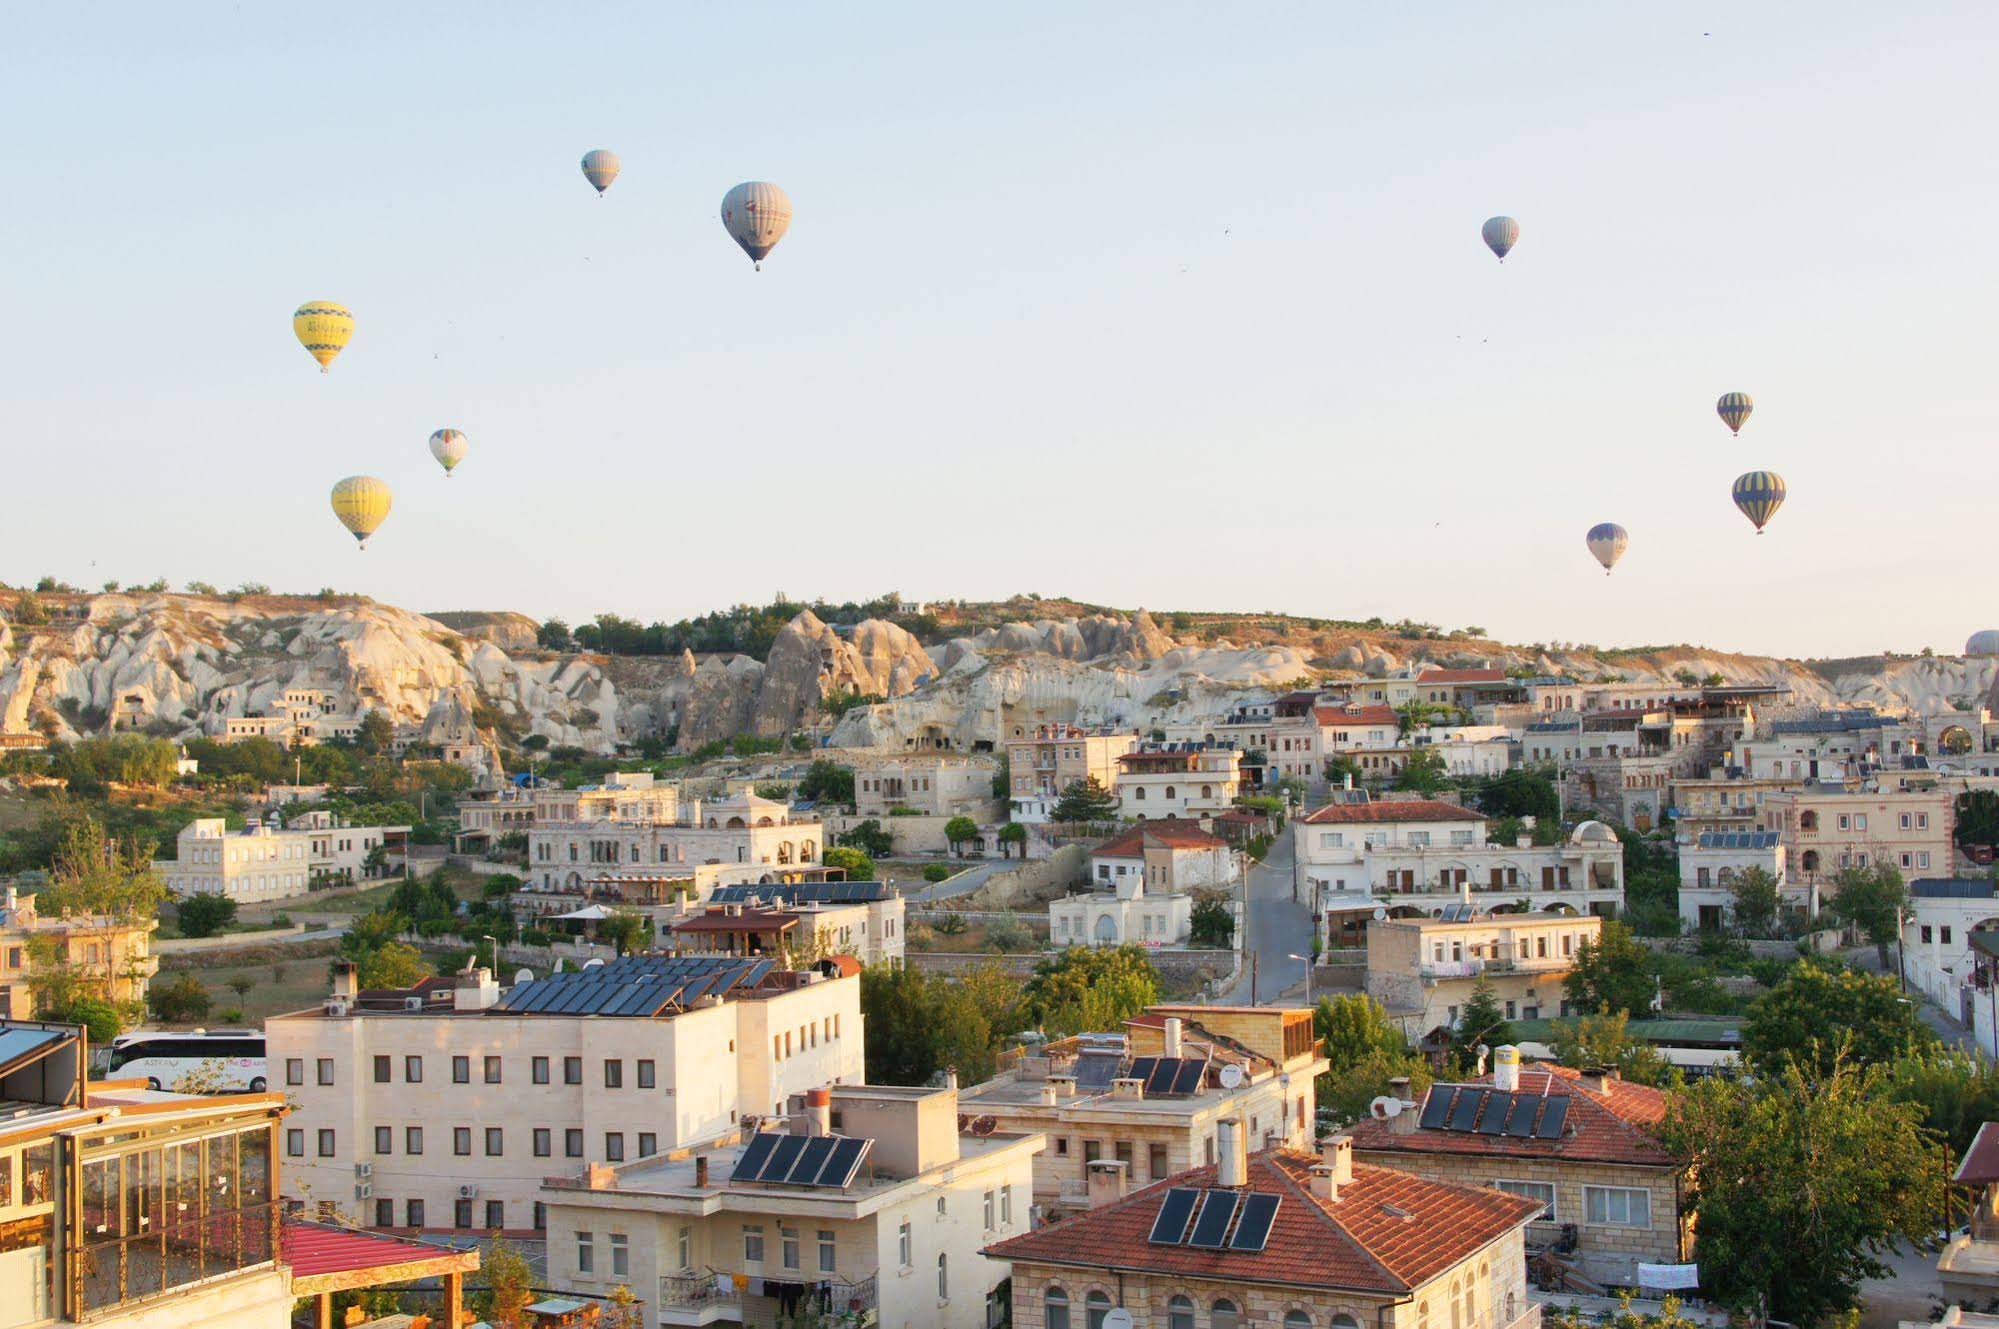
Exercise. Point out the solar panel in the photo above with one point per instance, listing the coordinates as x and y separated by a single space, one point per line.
812 1161
1252 1230
1465 1111
1436 1107
1520 1120
843 1163
1096 1070
1211 1225
1144 1069
1552 1118
783 1158
755 1155
1188 1079
1171 1225
1494 1120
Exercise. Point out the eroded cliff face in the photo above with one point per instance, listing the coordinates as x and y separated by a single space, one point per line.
179 665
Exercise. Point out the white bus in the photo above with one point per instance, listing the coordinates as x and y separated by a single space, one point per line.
216 1061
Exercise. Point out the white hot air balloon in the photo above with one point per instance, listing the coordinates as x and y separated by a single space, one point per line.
1500 235
448 446
757 214
1607 542
600 168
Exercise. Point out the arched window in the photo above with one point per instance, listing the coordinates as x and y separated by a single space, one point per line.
1297 1320
943 1278
1169 791
784 852
1811 860
1055 1307
1207 791
1095 1307
1469 1306
1422 1315
805 852
1808 820
1345 1321
1451 1300
1224 1315
1179 1313
1139 793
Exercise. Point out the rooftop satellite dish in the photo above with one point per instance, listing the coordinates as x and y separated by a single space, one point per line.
594 962
1231 1076
523 976
1385 1107
1117 1318
985 1126
1380 914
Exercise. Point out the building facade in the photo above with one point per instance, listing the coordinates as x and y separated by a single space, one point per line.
565 851
1043 760
931 784
1162 780
112 956
264 862
1424 970
1713 862
1826 828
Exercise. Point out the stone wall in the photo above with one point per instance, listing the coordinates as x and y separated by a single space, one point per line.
1032 885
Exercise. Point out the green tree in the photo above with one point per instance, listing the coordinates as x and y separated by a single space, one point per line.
99 1017
897 1011
1819 1013
376 735
1797 1181
1347 1091
1978 817
1521 792
1956 1090
627 930
1613 973
180 1000
868 837
1480 1020
554 636
1011 834
240 985
94 875
958 830
1354 1027
1605 1040
1090 988
858 865
1085 801
503 1302
1212 923
827 781
393 964
205 915
1871 899
1754 900
1424 772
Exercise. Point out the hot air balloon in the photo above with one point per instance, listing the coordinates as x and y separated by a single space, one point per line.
1983 643
757 215
600 168
361 502
1607 541
323 328
448 446
1734 409
1501 234
1759 494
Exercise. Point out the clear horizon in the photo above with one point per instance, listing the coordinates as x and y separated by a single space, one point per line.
1173 313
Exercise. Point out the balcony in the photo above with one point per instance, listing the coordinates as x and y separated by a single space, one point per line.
710 1298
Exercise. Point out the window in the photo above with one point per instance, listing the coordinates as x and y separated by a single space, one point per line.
572 1070
1006 1206
1616 1206
614 1146
648 1075
294 1070
413 1070
461 1070
1061 1146
326 1070
828 1251
1943 933
461 1214
495 1142
1224 1315
412 1139
753 1243
787 1246
1905 821
614 1074
1297 1320
496 1215
586 1253
902 1252
381 1070
385 1213
1096 1307
326 1144
621 1256
572 1143
648 1144
538 1070
1179 1313
686 1247
413 1213
1923 859
384 1140
1533 1190
1055 1307
492 1070
542 1142
943 1277
461 1141
294 1143
940 1206
1926 934
986 1210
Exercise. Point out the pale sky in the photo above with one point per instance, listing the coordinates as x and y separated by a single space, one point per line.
1175 305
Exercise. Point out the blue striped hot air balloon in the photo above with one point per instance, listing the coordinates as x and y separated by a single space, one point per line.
1734 409
1759 494
1501 234
1607 541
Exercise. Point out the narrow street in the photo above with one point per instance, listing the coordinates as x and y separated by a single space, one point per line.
1278 927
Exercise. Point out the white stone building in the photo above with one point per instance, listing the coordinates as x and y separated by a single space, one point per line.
264 862
1713 861
742 829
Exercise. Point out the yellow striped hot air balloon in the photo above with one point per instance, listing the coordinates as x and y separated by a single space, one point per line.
361 502
1734 409
1759 494
323 328
600 168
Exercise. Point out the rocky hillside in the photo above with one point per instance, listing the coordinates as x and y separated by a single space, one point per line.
178 665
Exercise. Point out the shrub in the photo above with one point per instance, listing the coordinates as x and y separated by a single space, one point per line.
951 925
206 915
936 872
1009 934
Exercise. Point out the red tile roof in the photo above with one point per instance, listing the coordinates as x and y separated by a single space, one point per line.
1171 832
316 1250
1388 1231
1336 715
1462 676
749 920
847 965
1392 810
1981 1161
1608 1127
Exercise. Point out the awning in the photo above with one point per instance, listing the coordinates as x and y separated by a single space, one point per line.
326 1258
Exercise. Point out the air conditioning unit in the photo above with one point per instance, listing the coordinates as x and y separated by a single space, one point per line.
468 1192
336 1009
364 1170
363 1190
412 1003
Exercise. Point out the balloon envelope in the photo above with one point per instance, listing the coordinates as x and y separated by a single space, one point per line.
448 446
1734 409
600 168
361 502
1501 234
1983 643
323 328
1608 541
1759 494
757 214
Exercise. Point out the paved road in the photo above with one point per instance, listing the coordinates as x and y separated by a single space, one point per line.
1950 1030
1279 927
973 877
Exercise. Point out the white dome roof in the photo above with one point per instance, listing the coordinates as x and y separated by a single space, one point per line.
1593 832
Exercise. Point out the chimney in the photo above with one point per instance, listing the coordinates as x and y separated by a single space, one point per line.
1506 1067
1172 1035
1107 1181
1479 1069
1334 1168
1065 1085
950 1078
1597 1079
1232 1165
600 1178
346 979
1047 1094
1127 1087
701 1171
819 1110
475 990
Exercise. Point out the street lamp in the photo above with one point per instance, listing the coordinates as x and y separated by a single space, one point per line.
495 942
1307 961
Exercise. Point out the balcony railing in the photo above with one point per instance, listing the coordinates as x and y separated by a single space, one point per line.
695 1290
